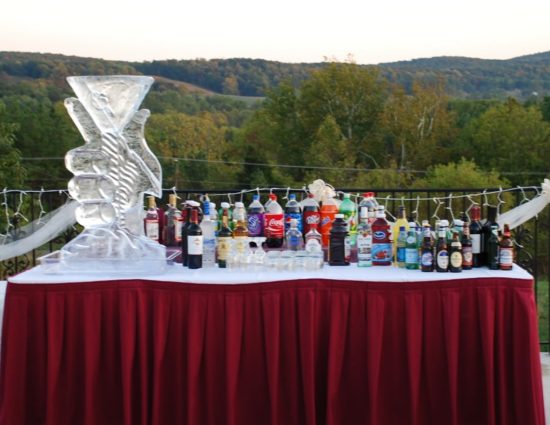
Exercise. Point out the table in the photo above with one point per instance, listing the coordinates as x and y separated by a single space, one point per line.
336 346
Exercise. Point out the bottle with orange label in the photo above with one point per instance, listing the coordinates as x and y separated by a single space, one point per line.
329 209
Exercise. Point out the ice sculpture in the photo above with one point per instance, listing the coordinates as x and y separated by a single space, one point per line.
112 172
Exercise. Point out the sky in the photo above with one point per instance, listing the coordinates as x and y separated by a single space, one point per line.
283 30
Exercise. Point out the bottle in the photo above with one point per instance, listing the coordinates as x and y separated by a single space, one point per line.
369 203
174 222
476 233
194 241
293 211
189 207
466 241
401 247
381 239
506 250
349 209
400 222
411 250
487 230
224 238
328 210
208 227
152 221
364 239
310 213
294 238
337 242
441 253
427 251
230 221
274 227
214 217
455 254
313 239
255 217
493 246
240 233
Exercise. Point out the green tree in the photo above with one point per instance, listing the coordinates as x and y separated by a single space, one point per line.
12 173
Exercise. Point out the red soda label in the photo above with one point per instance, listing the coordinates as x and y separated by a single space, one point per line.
274 225
311 217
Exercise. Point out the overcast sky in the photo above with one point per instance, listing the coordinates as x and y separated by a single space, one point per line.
286 30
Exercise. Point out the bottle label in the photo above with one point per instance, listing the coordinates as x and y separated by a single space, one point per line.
476 244
178 224
194 245
351 222
506 256
364 247
274 225
347 248
293 242
223 248
467 256
401 254
295 216
427 259
240 244
310 217
411 256
381 252
326 223
456 259
152 229
443 259
255 224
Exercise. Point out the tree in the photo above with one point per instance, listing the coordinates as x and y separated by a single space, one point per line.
12 173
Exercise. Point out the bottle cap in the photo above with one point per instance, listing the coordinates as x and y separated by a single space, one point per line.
458 223
213 206
255 197
239 205
412 225
225 205
346 195
339 216
206 207
193 204
444 223
292 196
272 196
402 228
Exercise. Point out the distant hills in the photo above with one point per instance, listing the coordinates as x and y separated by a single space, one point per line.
521 77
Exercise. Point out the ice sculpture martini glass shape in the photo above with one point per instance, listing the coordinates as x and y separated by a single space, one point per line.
112 172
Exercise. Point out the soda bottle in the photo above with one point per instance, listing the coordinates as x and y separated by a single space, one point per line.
411 250
208 227
293 211
194 241
364 239
337 242
381 239
348 208
476 233
294 239
329 208
240 233
493 246
310 213
274 227
313 239
152 220
256 217
455 254
506 250
224 238
401 249
174 222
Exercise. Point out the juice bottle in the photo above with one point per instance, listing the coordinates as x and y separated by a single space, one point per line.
381 239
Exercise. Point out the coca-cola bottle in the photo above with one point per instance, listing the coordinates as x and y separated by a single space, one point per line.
293 212
255 217
310 213
274 224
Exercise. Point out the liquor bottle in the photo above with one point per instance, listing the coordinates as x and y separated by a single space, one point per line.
174 222
427 251
506 250
411 250
313 239
208 227
310 213
401 247
256 217
441 252
240 233
476 233
466 241
230 221
349 209
274 227
337 243
381 239
294 239
152 220
194 241
455 254
369 203
214 217
225 236
487 230
293 211
493 246
364 239
400 222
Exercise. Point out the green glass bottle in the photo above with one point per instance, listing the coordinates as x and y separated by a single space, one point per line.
411 251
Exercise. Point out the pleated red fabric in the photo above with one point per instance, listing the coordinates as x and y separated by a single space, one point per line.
298 352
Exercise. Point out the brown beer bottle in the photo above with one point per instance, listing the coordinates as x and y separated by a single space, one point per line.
506 250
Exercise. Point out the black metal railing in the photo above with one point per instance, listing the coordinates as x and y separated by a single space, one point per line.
532 239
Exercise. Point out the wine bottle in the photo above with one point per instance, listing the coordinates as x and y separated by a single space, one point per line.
194 242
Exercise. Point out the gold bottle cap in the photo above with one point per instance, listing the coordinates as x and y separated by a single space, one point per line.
151 202
172 199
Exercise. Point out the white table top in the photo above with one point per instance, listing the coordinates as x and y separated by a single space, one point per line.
178 273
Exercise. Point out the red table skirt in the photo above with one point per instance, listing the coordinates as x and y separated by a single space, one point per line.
300 352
